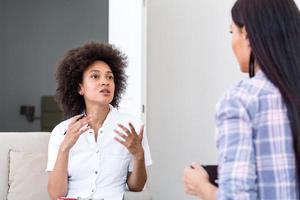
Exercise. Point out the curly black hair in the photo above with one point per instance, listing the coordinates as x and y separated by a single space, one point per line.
70 73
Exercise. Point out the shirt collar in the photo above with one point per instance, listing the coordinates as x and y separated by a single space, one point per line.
259 74
109 116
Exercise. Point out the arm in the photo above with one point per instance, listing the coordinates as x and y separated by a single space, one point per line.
237 170
133 142
138 177
58 177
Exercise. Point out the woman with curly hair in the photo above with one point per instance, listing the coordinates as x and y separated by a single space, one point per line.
97 150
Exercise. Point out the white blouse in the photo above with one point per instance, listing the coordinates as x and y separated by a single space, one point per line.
97 169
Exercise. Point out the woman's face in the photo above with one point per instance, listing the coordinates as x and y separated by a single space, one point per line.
98 86
240 46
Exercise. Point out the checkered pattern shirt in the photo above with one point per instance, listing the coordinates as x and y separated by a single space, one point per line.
255 145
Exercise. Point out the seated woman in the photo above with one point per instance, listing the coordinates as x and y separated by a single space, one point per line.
97 151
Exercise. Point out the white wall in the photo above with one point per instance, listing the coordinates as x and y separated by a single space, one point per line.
126 31
190 65
36 35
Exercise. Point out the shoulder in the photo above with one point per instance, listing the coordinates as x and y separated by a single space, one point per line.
246 94
60 128
58 133
123 117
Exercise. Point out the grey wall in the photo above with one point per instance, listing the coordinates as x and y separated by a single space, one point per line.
36 33
190 65
1 58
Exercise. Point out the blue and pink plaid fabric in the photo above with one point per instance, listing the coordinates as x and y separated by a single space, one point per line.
254 141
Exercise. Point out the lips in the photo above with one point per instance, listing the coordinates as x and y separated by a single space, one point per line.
105 91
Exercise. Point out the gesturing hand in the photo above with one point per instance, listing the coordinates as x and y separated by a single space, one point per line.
77 126
131 140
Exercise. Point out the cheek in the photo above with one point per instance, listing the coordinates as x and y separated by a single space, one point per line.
241 54
113 86
244 58
234 45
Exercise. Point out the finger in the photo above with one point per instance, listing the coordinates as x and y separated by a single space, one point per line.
186 170
184 178
75 118
120 141
73 122
124 129
187 184
122 135
195 165
84 120
187 188
190 191
141 132
80 125
132 129
82 130
71 129
75 126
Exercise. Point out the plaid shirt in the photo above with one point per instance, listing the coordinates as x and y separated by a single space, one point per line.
255 145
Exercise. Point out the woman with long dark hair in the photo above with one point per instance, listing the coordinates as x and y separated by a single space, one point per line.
258 120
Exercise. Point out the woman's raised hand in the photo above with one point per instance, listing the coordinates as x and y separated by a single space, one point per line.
77 126
130 139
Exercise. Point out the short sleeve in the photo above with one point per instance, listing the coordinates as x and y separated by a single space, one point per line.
55 140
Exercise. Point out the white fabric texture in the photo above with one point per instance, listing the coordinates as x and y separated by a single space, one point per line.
97 169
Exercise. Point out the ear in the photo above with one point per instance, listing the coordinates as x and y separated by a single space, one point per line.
80 90
245 36
244 33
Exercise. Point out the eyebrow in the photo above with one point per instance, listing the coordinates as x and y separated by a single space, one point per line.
97 71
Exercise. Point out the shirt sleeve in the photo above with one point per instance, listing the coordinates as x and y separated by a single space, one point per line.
237 174
55 140
148 160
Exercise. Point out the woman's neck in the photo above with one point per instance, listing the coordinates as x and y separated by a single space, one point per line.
256 67
99 114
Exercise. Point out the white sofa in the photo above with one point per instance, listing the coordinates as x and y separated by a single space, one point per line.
23 157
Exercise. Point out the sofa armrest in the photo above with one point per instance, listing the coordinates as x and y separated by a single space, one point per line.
143 195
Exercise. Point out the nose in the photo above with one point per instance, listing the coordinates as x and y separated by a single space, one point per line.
104 81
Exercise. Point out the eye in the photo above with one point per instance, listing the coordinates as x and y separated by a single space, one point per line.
110 77
230 31
94 76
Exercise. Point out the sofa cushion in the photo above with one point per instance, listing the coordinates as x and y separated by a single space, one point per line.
36 142
27 176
